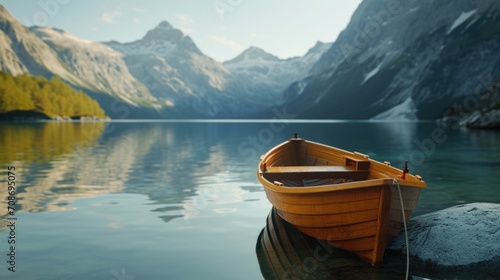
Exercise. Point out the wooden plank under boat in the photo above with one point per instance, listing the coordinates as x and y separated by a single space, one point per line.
344 198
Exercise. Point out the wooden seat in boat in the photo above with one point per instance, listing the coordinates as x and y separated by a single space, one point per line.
276 173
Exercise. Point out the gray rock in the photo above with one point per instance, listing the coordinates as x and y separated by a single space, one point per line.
458 236
477 119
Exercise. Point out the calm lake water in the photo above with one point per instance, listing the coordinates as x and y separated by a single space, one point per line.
180 200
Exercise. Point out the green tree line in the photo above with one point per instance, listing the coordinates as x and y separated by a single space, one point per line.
52 97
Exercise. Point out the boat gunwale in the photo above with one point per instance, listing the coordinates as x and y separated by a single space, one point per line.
328 188
376 167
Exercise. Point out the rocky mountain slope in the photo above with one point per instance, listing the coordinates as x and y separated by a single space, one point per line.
21 51
405 60
163 74
172 67
100 68
89 66
268 74
398 60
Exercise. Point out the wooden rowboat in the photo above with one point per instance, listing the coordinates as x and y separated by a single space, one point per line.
344 198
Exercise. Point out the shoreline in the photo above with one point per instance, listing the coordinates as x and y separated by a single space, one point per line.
34 116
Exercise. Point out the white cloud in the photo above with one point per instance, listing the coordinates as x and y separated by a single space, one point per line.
185 20
138 10
110 17
222 40
136 20
186 30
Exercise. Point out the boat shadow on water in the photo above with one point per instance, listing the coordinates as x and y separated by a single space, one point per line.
283 252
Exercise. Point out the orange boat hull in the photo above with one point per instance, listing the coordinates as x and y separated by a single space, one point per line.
344 198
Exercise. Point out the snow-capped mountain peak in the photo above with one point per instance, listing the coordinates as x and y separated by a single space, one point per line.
160 41
164 31
315 53
269 74
164 25
253 53
320 47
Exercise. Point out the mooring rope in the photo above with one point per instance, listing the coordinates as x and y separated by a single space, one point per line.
395 182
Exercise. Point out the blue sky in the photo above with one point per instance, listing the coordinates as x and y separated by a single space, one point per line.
221 28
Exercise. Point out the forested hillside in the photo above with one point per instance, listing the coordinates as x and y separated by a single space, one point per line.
52 97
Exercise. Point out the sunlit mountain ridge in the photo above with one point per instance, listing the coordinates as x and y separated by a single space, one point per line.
403 60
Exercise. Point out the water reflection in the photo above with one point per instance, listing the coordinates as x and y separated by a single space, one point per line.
183 167
44 154
199 181
284 252
22 142
180 167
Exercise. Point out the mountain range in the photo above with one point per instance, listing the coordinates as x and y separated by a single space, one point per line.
406 60
401 59
162 75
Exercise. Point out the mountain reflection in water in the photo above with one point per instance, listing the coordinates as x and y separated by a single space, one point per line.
58 162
